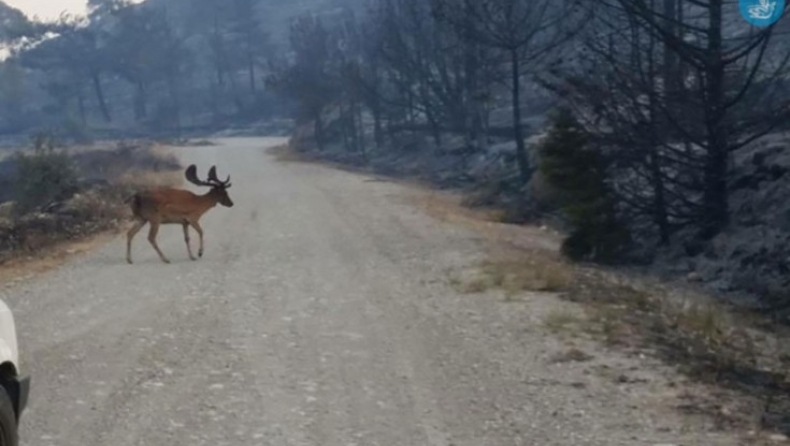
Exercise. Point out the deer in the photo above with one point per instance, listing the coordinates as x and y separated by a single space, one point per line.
176 206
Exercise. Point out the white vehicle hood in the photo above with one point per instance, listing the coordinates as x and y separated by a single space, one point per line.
8 344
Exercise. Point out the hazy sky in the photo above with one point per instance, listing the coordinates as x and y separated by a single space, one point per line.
48 9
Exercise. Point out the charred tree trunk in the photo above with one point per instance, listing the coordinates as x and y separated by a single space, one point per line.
140 102
99 90
251 72
715 177
521 149
660 217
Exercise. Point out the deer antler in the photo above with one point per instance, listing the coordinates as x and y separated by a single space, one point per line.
191 176
211 181
212 178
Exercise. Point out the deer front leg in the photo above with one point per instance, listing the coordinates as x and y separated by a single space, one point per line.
199 230
152 239
186 239
138 224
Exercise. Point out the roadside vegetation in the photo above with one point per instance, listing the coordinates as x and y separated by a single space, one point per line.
54 194
645 148
744 355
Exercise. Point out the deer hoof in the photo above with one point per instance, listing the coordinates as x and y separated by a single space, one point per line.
129 261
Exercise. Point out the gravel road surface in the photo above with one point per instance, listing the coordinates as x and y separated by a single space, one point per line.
321 314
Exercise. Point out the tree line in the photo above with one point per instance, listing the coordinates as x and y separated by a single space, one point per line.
128 65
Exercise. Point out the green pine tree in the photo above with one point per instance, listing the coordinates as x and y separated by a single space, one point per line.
574 166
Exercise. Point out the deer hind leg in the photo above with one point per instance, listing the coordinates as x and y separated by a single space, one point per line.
199 230
138 225
186 239
152 239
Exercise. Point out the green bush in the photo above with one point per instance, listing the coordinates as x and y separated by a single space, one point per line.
571 164
42 177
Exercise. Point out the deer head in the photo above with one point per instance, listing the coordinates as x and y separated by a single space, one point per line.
218 188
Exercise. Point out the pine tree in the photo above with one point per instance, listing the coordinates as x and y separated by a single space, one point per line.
572 164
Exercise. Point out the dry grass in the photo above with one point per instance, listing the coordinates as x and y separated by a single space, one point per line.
708 341
702 334
447 207
38 242
529 274
518 276
563 321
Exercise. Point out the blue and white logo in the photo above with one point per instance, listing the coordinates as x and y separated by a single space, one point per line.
762 13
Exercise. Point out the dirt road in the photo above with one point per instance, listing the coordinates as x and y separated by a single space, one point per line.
320 315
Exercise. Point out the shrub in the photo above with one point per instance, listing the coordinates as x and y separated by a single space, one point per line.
42 177
573 165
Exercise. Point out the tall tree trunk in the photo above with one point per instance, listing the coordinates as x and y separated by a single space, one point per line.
251 72
471 70
436 130
375 105
673 80
660 217
360 126
518 132
716 195
97 88
670 57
